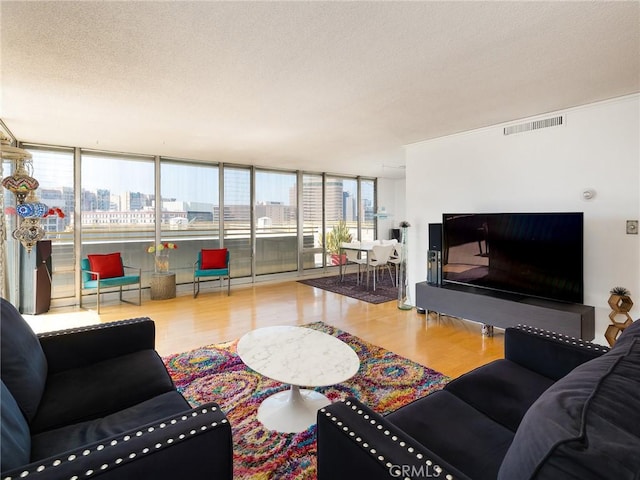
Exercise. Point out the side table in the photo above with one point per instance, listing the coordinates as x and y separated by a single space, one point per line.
163 286
296 356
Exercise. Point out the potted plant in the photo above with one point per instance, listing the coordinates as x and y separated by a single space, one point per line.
334 239
620 300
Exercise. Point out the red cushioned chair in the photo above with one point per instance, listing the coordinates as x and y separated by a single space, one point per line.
107 270
212 263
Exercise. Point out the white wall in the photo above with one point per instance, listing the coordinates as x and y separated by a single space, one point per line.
543 170
391 195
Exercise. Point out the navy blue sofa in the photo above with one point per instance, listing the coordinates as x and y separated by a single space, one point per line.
554 408
99 402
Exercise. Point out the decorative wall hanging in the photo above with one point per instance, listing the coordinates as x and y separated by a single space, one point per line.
23 185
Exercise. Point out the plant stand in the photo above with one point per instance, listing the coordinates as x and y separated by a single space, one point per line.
620 305
163 286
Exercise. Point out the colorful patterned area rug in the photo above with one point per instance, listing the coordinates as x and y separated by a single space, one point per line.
385 290
385 382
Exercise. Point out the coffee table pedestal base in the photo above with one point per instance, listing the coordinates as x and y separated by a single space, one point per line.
291 411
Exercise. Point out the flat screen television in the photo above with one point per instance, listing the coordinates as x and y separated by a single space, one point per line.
533 254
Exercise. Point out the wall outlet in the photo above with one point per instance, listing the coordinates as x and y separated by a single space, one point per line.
632 227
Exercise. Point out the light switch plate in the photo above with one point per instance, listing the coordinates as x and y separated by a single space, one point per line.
632 227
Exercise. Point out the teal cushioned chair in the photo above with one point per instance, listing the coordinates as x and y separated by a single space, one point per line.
89 284
199 272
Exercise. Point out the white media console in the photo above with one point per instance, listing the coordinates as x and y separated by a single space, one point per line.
503 310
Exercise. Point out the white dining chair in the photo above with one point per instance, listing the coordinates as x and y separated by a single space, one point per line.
355 257
396 258
379 259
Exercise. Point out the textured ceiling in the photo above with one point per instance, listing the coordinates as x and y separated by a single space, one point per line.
318 86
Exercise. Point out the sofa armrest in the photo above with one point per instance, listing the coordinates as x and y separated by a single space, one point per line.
193 444
548 353
356 442
77 347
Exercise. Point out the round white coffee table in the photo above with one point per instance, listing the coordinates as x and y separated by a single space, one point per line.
297 356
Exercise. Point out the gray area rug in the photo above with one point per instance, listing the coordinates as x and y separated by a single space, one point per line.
385 290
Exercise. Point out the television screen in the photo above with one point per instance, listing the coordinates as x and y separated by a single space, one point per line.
534 254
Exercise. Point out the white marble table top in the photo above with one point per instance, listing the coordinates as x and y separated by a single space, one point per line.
298 356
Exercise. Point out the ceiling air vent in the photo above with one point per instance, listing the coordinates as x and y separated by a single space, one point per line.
535 125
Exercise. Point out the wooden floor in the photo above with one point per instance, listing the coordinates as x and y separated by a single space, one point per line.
448 345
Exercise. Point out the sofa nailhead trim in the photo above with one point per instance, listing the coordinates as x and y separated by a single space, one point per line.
126 438
562 338
372 450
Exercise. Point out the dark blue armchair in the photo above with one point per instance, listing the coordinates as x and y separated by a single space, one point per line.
99 402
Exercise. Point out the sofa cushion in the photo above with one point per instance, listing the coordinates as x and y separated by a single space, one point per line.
456 432
138 416
22 361
502 390
100 389
587 425
15 438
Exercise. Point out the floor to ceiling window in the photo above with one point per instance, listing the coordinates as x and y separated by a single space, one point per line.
237 219
53 168
189 205
312 213
117 207
276 222
367 210
341 215
129 202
